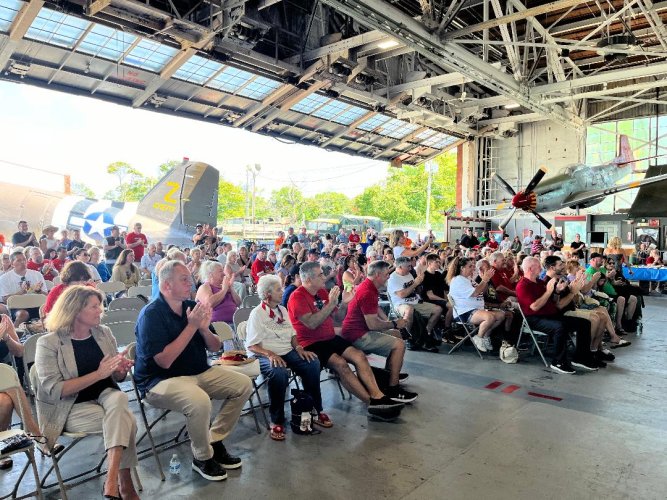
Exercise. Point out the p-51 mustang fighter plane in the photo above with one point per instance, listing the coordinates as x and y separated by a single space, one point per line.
184 197
578 186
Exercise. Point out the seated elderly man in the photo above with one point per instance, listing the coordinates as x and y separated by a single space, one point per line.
272 338
149 260
311 311
172 371
368 329
19 281
37 263
402 288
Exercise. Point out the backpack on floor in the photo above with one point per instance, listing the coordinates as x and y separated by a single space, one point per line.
302 409
508 353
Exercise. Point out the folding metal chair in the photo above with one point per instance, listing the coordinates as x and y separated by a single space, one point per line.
525 328
470 329
134 291
240 315
29 352
27 301
146 282
9 381
133 303
251 301
252 370
111 287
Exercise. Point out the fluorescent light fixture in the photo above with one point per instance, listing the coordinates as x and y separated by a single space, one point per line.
513 105
388 44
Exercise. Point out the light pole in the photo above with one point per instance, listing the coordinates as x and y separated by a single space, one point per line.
430 166
254 170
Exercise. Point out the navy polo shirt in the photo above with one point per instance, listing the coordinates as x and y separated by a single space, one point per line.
157 327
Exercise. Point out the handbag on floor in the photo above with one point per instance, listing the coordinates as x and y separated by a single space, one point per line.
508 353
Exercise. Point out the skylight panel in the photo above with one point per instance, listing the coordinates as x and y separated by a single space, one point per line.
8 11
397 129
57 28
106 43
374 122
259 88
310 103
150 55
197 70
230 80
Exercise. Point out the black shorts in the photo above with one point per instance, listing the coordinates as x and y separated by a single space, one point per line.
327 348
33 313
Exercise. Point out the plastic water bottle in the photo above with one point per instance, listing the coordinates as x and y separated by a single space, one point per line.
174 465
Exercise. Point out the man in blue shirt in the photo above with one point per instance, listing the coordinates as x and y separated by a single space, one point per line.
171 369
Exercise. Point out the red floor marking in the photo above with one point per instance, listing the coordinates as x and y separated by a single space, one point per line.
493 385
544 396
511 388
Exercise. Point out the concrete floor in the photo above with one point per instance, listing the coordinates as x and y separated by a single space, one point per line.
604 438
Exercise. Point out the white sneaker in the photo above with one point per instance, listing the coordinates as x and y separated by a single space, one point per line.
488 344
479 343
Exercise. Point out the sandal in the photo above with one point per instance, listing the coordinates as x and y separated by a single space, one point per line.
277 433
323 420
620 343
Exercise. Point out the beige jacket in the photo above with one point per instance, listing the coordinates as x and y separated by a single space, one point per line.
55 363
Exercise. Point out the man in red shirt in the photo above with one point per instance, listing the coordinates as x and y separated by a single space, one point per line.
261 266
311 311
354 238
61 259
37 263
368 329
136 240
501 281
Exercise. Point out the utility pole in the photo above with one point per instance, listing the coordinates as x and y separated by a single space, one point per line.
430 166
254 170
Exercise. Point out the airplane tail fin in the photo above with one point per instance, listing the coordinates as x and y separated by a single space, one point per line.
185 196
625 156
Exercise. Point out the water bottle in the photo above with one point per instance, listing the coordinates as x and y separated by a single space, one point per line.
174 465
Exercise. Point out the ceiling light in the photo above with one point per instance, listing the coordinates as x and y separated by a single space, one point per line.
388 44
513 105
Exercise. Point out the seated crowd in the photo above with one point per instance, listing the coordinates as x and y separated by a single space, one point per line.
324 303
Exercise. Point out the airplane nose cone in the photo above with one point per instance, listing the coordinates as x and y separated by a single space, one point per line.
525 201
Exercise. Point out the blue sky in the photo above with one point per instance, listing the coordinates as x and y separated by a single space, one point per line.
80 136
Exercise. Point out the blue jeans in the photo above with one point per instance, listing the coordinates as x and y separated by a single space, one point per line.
278 380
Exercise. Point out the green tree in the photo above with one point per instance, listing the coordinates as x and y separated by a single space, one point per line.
287 202
132 184
82 190
166 167
231 200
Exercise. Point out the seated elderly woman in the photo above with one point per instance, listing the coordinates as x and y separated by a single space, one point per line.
14 400
74 273
76 369
469 300
271 337
217 291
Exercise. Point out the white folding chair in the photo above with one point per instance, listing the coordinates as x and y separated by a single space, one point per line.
122 323
27 301
240 315
9 381
111 287
29 352
120 316
470 329
251 301
526 328
49 285
251 370
146 282
134 303
134 291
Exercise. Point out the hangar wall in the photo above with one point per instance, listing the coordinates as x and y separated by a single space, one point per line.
538 144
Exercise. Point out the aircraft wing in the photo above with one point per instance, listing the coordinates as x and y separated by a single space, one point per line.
597 194
498 206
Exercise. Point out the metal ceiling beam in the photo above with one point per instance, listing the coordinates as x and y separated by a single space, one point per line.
515 16
435 81
606 92
18 29
600 78
332 48
383 16
528 117
589 22
511 51
167 72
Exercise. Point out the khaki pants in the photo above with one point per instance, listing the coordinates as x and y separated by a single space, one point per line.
111 415
191 396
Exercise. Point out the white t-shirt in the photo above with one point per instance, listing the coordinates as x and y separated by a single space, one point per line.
398 251
273 336
397 283
461 291
10 282
94 273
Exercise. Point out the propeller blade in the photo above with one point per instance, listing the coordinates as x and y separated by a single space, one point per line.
545 222
536 179
507 219
503 184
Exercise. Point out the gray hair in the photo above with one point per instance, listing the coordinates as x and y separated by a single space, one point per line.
282 253
376 267
495 256
266 283
480 263
308 270
207 268
232 253
167 271
402 261
527 262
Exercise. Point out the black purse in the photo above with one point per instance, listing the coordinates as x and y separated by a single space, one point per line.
14 443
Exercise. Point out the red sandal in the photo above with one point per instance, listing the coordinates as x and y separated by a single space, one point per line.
277 433
323 420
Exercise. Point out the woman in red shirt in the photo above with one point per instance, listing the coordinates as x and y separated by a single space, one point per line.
74 273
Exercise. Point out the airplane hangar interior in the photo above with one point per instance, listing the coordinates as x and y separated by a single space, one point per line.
556 111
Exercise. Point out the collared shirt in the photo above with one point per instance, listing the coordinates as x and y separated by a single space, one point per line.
148 262
157 327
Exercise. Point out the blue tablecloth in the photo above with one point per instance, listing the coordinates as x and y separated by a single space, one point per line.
646 274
